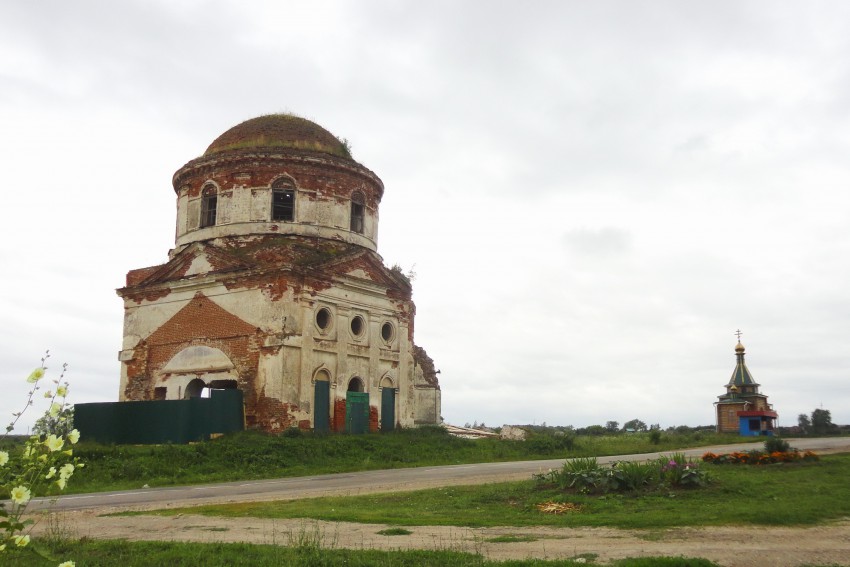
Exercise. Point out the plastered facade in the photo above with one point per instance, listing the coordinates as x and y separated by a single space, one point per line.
273 306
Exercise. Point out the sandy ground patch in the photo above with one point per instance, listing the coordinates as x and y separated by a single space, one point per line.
728 546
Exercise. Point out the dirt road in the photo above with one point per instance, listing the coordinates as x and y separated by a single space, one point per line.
732 547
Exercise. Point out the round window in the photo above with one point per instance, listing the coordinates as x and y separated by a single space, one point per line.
323 318
357 325
387 331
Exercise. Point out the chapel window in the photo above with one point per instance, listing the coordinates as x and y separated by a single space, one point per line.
357 211
283 200
209 204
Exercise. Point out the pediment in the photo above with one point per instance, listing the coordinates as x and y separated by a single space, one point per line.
367 266
184 324
360 274
195 260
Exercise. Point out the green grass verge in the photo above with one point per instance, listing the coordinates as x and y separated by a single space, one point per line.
144 554
253 455
770 495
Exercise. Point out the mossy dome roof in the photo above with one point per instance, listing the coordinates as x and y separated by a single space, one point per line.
279 131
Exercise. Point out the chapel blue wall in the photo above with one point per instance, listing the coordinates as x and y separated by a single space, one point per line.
744 427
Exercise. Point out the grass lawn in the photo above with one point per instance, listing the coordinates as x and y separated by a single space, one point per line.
252 455
145 554
770 495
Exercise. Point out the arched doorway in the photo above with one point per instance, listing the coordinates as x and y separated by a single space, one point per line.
356 407
195 389
194 372
322 401
387 404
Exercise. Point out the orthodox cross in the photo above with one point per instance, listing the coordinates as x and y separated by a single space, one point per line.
739 333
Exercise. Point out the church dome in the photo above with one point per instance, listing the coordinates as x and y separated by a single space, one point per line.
277 174
279 131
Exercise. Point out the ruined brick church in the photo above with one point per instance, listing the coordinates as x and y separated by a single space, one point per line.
275 288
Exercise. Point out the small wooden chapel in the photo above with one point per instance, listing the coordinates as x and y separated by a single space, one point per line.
742 409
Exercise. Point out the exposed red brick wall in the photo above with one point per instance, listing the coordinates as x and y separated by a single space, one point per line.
338 421
202 322
328 177
273 415
373 418
136 276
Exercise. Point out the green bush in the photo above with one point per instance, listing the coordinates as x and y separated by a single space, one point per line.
550 442
776 445
632 475
585 475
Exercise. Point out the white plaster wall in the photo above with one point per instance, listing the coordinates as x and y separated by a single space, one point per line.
297 348
247 210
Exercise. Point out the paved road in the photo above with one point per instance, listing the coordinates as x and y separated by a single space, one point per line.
370 481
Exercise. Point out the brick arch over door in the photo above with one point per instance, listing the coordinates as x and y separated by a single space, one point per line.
201 322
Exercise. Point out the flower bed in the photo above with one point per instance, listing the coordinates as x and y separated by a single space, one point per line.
586 475
759 457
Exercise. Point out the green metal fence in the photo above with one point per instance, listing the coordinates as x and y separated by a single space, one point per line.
160 421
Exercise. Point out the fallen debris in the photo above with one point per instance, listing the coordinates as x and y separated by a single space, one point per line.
558 507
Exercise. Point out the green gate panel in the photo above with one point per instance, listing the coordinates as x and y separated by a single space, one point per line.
226 411
161 421
322 406
387 409
357 412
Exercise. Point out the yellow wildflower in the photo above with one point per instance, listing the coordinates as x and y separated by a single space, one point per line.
74 436
54 443
35 375
20 495
22 540
66 470
4 458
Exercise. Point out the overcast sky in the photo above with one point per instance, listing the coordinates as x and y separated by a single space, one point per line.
594 196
